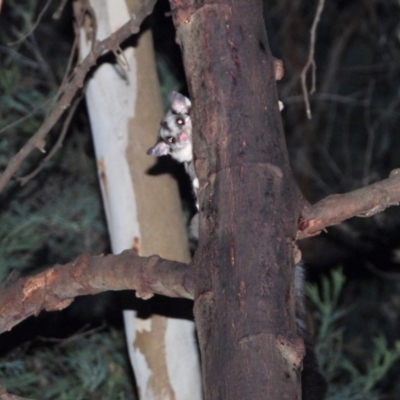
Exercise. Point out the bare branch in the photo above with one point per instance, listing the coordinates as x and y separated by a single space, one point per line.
370 133
60 9
25 117
68 69
339 46
33 27
56 288
325 97
363 202
72 86
311 61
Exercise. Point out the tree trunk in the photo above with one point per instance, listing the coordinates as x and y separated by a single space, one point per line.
249 205
143 211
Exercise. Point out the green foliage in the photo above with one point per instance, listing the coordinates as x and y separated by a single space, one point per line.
81 368
27 81
53 220
348 379
18 239
58 214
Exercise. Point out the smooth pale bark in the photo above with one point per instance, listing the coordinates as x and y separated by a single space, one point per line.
143 212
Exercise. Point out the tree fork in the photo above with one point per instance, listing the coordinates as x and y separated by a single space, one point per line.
250 205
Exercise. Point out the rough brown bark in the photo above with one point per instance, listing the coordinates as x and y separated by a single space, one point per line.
244 302
363 202
55 288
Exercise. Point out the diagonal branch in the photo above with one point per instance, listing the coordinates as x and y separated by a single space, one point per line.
70 88
56 288
363 202
33 27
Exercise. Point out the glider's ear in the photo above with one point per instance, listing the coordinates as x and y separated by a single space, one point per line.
158 150
180 104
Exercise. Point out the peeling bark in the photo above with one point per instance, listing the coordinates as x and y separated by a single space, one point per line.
56 287
125 109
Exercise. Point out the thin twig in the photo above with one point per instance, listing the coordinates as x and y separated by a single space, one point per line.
311 61
33 27
60 9
370 134
25 117
373 68
73 84
389 110
32 45
350 99
382 274
52 100
82 332
24 179
68 72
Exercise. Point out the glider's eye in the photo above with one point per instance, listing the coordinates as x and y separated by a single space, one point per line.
180 121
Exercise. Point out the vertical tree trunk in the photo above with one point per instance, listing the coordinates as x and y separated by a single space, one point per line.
245 300
143 212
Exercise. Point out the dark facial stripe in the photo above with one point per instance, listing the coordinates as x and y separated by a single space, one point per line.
165 126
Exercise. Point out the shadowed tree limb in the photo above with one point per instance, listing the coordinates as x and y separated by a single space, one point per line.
56 288
363 202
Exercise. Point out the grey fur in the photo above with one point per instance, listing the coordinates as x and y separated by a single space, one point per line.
175 136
